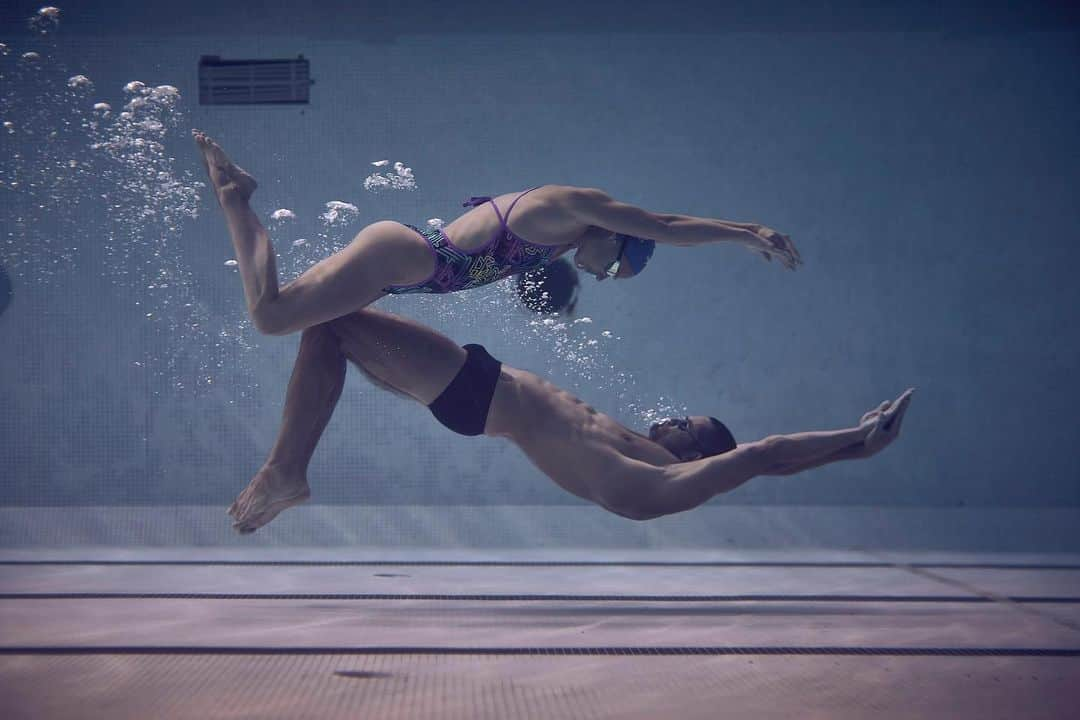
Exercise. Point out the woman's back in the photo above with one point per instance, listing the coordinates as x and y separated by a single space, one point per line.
539 217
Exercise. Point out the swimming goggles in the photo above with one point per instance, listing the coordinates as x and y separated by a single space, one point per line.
612 268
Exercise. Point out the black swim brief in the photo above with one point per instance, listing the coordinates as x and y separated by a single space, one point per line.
463 405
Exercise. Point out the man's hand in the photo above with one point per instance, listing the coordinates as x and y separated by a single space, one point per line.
771 244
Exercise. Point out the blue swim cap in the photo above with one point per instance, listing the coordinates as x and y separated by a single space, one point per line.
637 251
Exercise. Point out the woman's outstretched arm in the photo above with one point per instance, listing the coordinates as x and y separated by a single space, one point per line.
596 207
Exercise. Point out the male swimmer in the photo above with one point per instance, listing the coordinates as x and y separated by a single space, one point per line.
611 239
681 464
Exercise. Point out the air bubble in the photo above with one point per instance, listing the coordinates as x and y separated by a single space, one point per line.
338 212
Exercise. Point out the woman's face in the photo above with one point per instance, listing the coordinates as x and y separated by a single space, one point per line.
597 250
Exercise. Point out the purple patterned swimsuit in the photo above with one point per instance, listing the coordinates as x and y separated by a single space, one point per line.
504 255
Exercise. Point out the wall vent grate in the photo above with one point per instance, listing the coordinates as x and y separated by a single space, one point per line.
253 82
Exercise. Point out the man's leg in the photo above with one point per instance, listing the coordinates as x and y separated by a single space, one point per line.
315 386
397 353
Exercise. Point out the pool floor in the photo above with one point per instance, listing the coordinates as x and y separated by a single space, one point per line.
306 632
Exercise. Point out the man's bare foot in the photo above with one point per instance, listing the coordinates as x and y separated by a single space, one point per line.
884 423
229 181
268 493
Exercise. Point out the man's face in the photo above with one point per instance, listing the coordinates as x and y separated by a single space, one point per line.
680 436
597 251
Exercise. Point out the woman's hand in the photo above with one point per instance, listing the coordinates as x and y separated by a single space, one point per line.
771 244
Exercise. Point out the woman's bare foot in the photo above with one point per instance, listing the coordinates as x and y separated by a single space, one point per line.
229 181
884 423
268 493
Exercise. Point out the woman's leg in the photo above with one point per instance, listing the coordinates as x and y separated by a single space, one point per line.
384 253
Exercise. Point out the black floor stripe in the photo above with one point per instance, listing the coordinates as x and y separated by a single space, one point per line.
543 563
411 650
537 598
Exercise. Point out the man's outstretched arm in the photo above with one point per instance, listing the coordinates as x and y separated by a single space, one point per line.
855 452
689 484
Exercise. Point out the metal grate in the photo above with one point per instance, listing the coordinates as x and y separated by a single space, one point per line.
253 82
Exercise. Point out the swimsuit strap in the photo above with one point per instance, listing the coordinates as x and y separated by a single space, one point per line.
511 208
481 199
